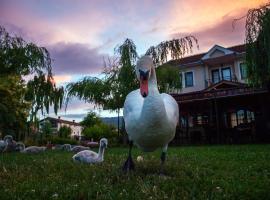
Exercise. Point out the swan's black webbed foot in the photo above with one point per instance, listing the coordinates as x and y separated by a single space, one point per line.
129 164
162 158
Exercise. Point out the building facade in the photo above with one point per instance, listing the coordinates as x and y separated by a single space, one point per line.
57 123
216 105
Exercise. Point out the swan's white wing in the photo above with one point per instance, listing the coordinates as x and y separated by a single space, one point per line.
132 110
171 107
3 146
86 156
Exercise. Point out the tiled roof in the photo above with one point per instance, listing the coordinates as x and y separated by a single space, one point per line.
238 48
61 121
196 58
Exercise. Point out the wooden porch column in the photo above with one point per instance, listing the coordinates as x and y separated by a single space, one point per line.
217 119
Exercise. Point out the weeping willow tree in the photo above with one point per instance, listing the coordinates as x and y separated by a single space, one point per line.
119 77
258 46
21 61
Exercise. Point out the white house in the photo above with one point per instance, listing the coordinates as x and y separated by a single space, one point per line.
219 64
57 123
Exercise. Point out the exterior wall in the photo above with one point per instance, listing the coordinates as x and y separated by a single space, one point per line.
198 79
75 129
217 53
237 71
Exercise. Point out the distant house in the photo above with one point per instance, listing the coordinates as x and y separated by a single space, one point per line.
216 104
57 123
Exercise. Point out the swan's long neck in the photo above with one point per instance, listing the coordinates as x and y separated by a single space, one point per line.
101 152
153 109
152 82
22 147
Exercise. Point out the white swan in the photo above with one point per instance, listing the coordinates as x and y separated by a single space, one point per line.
7 144
79 148
75 149
4 143
150 117
66 147
30 149
88 156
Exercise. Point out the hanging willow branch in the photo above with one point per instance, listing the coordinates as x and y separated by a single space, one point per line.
19 58
89 90
258 45
42 93
120 77
175 49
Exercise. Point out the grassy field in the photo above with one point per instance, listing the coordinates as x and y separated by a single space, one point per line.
216 172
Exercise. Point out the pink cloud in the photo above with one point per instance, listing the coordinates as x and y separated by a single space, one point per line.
221 33
75 58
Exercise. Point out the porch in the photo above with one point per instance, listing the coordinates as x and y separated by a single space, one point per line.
224 113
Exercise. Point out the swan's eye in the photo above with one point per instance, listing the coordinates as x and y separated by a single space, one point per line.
144 75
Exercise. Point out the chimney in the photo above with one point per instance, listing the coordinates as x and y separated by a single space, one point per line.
73 121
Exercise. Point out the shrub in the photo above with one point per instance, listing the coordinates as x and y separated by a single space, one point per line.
99 131
58 140
64 132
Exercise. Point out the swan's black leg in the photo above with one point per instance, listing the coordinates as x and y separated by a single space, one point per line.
163 158
129 164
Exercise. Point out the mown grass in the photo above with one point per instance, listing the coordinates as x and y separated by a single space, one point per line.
209 172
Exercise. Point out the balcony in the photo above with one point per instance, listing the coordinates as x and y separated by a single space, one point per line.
213 94
209 82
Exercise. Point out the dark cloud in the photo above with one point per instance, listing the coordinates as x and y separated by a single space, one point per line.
75 58
68 58
222 33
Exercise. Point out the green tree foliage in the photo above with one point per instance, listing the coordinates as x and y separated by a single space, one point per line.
64 132
19 99
258 45
168 78
46 129
13 109
119 74
90 120
95 128
99 131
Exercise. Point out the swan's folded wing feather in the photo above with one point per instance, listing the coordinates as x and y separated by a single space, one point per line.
133 105
171 107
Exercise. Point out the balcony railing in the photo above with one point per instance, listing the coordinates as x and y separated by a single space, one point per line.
210 82
204 95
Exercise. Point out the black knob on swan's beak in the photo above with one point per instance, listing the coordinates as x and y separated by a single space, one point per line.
144 95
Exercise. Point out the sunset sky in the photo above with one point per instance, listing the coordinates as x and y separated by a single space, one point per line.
78 34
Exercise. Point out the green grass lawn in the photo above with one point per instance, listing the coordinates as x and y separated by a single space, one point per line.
209 172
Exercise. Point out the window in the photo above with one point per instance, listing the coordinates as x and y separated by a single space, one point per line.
215 76
226 74
181 79
188 79
243 70
241 119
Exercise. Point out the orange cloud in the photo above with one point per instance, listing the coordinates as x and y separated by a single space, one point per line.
62 78
194 15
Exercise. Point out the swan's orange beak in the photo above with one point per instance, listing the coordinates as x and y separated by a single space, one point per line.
144 83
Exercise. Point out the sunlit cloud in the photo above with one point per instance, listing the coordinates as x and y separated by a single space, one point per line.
61 79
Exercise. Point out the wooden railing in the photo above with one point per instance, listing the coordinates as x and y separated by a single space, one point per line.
232 78
203 95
